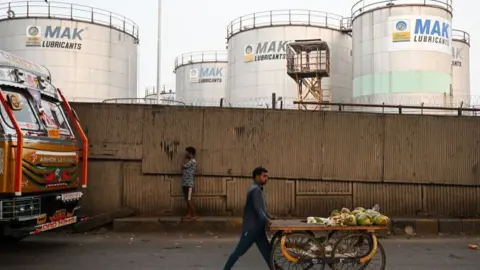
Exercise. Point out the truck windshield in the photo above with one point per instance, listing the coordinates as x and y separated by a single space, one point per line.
54 117
26 117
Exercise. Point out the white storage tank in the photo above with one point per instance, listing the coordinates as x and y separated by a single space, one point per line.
461 69
91 53
402 52
257 56
201 78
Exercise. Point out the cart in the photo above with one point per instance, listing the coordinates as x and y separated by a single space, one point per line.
295 246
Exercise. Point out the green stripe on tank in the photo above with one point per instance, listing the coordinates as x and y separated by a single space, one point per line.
402 82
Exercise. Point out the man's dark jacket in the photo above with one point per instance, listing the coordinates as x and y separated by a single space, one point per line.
255 213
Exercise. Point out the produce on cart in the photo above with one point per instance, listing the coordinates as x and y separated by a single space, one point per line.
358 217
354 245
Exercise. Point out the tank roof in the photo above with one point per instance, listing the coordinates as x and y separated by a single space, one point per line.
220 56
67 11
290 17
364 6
462 36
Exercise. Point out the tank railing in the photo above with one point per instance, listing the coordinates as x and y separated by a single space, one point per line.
60 10
364 6
201 57
346 24
147 101
461 36
284 18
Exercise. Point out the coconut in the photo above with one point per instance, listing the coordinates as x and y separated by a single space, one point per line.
364 220
361 209
345 210
381 220
335 213
356 212
350 220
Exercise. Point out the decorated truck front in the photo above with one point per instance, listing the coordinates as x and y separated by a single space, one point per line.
41 145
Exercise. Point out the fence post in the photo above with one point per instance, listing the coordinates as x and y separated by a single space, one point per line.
274 101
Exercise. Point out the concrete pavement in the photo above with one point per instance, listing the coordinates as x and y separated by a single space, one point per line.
108 250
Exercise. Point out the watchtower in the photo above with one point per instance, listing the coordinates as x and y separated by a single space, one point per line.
308 62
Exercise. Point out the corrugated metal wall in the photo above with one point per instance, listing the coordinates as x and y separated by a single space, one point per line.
318 161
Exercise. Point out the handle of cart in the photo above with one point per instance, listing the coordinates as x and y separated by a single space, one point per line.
294 245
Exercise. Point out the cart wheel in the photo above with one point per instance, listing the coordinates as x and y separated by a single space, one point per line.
278 236
357 245
335 236
379 260
298 245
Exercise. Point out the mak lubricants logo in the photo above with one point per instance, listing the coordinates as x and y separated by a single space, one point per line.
268 50
422 30
401 32
457 57
68 38
206 75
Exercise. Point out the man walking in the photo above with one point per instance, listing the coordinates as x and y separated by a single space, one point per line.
255 220
189 169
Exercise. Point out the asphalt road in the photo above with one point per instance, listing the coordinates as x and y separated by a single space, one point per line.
122 251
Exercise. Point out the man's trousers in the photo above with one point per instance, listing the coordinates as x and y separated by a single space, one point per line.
246 241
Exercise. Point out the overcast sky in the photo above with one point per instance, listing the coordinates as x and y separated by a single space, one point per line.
195 25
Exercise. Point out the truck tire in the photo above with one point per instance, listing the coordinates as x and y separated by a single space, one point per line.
8 240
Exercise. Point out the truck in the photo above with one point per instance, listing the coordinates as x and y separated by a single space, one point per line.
43 152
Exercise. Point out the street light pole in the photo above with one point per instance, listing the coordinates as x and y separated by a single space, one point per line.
159 49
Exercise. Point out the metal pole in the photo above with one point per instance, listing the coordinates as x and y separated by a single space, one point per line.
159 49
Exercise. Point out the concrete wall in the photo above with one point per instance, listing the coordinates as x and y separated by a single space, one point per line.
409 164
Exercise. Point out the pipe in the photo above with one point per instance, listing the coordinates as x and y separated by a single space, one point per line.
19 153
82 135
372 252
159 49
284 250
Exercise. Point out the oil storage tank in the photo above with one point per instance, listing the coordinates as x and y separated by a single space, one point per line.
91 53
201 77
257 56
461 69
402 52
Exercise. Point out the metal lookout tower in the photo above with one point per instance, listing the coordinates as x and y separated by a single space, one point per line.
308 62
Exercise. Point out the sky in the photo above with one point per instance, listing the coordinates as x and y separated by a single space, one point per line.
193 25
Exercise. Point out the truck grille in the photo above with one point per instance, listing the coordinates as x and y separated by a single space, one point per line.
23 208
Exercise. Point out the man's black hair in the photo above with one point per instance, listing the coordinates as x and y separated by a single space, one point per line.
258 171
191 150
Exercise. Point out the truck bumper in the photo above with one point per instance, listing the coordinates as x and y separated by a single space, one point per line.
50 212
24 231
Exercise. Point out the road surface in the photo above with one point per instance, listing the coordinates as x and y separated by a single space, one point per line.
107 250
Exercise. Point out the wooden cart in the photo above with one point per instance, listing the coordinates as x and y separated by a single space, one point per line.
295 246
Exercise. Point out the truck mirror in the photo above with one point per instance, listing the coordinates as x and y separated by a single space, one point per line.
13 101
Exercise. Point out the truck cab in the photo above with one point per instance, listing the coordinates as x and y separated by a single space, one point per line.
43 152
